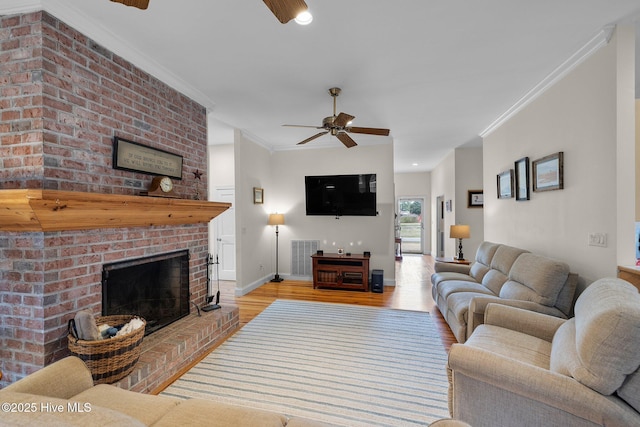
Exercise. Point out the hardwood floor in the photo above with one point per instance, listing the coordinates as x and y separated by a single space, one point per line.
412 292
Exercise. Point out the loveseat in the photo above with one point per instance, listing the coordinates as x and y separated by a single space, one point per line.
504 274
522 368
63 394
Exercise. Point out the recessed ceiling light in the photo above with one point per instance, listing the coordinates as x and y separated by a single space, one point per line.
304 18
414 164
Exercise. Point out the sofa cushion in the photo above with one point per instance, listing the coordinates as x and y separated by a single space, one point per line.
484 255
63 415
630 390
501 263
200 412
455 286
535 278
144 407
600 346
512 344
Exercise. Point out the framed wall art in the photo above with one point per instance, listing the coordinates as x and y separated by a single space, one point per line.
505 184
475 199
548 172
522 179
135 157
258 196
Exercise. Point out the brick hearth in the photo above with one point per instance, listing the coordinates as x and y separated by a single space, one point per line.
168 351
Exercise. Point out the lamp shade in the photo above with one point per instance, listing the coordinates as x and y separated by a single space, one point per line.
276 219
459 232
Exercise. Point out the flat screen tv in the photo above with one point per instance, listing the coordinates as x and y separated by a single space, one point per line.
339 195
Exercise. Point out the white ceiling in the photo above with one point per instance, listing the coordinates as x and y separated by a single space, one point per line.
437 73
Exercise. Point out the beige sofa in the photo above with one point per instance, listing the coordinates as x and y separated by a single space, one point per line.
503 274
63 394
522 368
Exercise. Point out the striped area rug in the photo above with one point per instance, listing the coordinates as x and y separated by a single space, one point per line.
342 364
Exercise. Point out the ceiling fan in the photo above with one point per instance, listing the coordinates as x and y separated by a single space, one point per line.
339 127
140 4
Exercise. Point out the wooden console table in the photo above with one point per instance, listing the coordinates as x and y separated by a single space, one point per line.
336 271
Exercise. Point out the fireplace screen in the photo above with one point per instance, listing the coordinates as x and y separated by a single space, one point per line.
155 288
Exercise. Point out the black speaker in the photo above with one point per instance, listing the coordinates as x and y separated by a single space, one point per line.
377 281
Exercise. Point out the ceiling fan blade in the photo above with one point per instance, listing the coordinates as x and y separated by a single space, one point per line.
317 135
368 131
304 126
346 140
342 119
286 10
140 4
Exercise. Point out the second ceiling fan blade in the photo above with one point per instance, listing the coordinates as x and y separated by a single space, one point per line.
346 140
368 131
140 4
311 138
286 10
343 119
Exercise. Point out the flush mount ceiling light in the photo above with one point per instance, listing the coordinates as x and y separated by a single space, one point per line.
304 18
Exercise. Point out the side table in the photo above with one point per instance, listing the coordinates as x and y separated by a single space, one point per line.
450 260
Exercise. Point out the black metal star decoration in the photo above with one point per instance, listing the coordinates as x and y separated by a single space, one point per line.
197 174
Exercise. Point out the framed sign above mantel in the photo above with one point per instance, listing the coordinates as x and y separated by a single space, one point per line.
135 157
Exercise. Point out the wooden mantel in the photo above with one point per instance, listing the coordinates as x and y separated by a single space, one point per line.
53 210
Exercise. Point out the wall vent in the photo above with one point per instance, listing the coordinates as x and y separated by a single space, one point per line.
301 251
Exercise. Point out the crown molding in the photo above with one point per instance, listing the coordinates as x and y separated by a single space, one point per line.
109 40
599 40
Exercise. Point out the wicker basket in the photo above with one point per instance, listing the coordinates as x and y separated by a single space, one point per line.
112 359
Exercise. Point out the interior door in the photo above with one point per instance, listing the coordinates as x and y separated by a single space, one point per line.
224 247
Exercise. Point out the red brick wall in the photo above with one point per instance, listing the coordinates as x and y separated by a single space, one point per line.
63 98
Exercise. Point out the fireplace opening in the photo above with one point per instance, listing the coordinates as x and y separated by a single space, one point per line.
155 288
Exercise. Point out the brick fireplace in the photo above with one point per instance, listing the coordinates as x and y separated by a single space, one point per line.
63 98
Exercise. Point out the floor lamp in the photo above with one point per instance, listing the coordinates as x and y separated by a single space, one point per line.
460 232
276 219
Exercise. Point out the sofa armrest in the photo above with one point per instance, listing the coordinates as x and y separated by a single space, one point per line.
528 322
62 379
449 267
481 378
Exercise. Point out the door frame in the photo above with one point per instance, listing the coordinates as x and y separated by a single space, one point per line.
422 214
440 226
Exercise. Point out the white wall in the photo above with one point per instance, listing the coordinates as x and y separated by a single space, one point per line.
586 115
469 177
458 173
255 241
417 185
443 183
356 234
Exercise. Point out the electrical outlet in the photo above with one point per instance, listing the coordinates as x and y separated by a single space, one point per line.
598 239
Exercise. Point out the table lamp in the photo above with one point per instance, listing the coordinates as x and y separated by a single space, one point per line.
459 232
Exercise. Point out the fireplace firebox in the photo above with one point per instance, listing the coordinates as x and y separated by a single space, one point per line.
155 288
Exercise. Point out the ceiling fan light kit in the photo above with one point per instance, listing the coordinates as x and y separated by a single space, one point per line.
286 10
304 18
339 125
